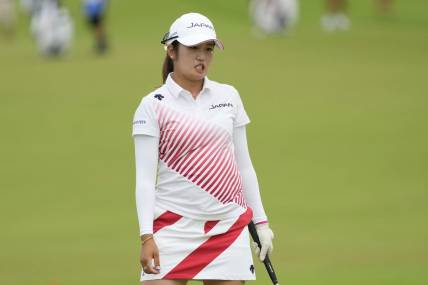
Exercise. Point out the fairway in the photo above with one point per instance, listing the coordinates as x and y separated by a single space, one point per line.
338 139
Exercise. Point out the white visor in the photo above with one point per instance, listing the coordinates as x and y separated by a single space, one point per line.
192 29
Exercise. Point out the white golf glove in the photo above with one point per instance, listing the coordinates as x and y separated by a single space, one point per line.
266 237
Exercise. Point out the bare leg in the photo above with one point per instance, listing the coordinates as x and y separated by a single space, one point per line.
164 282
224 282
383 7
336 6
100 33
101 38
7 18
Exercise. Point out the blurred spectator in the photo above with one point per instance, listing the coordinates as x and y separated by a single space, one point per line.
7 17
52 28
95 11
274 16
335 17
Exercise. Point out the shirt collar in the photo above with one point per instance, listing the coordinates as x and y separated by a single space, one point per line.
176 89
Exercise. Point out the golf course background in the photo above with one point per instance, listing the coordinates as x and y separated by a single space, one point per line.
338 139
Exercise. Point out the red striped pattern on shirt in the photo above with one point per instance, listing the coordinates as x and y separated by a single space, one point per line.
201 152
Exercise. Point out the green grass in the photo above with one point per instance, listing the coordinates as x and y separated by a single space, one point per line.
338 139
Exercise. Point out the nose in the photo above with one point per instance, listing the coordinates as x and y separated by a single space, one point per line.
200 56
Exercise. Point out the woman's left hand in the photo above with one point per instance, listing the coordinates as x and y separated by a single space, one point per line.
266 237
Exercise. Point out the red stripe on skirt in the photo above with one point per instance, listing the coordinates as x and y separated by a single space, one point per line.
197 260
209 225
166 219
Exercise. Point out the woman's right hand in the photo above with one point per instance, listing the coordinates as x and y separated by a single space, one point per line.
149 257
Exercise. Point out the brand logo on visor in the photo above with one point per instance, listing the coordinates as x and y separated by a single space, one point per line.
200 25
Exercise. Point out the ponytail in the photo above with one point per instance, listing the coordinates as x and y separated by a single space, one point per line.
167 68
168 64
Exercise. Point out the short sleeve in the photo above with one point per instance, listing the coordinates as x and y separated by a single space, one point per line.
241 117
145 122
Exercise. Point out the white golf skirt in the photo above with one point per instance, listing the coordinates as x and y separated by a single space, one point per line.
202 250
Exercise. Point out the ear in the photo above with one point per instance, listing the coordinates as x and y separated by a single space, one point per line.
170 51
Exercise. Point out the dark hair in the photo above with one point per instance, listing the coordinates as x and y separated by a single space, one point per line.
168 64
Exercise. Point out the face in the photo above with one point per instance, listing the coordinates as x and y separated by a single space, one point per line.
192 63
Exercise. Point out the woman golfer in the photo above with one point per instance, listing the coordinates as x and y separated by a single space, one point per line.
196 188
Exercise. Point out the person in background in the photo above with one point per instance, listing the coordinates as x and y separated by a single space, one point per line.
95 11
274 16
52 28
335 17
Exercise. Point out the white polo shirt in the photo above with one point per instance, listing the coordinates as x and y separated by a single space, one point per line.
197 176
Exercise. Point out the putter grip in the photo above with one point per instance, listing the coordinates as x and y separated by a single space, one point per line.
267 263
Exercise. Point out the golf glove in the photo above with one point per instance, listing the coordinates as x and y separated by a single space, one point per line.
266 237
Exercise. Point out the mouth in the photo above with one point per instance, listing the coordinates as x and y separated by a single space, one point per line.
200 67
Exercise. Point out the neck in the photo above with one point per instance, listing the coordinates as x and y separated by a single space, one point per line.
193 86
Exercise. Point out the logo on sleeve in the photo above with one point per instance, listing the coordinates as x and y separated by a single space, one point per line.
139 122
252 268
159 97
222 105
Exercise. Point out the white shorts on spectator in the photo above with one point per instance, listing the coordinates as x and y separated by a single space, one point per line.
274 16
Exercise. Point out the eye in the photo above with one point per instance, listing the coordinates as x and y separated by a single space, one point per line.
210 49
